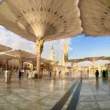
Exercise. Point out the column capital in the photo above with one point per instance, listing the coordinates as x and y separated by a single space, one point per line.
39 46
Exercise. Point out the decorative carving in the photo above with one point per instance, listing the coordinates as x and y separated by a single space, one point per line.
39 18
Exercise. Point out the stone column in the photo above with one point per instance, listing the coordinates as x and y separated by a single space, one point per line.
22 64
7 64
39 48
20 60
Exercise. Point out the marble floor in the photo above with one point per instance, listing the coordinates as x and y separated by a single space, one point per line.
94 95
33 94
63 93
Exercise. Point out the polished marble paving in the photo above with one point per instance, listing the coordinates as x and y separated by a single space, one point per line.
34 94
94 95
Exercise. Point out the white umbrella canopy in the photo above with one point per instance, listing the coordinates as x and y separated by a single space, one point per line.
76 60
42 60
46 61
45 20
5 57
21 54
102 62
4 48
85 64
55 19
94 59
41 19
106 58
95 17
89 63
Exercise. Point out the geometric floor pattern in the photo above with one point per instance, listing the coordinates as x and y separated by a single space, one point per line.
29 94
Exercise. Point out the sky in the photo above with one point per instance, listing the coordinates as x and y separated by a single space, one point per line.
79 46
86 46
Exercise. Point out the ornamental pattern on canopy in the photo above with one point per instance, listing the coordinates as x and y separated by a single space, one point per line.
95 17
55 19
37 19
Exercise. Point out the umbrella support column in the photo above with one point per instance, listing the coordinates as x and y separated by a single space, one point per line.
21 64
39 48
7 67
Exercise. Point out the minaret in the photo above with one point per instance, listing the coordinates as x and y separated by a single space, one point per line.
62 60
52 54
66 51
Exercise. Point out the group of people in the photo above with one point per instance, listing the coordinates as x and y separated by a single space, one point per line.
21 73
105 74
53 74
30 74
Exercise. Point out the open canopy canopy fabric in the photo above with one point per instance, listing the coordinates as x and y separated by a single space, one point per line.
4 48
46 61
21 54
5 57
106 58
76 60
37 19
25 56
55 19
95 17
94 59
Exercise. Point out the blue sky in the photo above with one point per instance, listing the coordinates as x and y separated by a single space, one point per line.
85 46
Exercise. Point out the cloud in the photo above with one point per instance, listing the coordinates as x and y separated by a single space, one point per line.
58 48
16 42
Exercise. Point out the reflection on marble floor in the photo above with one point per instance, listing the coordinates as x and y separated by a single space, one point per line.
44 94
32 94
94 95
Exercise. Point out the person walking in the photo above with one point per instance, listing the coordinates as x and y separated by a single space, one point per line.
30 74
104 73
50 74
6 75
20 74
59 74
97 74
34 74
54 75
81 74
109 75
27 72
